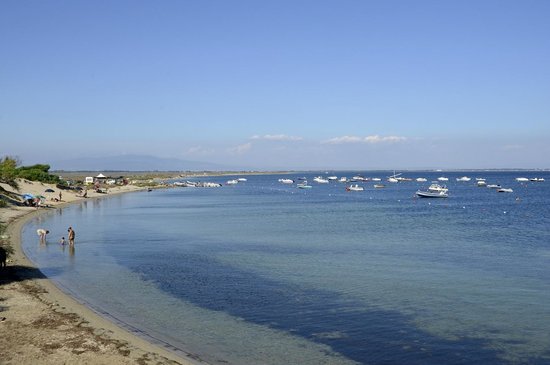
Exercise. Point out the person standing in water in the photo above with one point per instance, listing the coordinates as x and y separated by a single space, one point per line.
71 235
42 234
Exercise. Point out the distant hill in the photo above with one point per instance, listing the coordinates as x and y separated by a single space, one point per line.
135 163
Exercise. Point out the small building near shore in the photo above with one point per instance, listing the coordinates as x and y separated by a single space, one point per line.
88 180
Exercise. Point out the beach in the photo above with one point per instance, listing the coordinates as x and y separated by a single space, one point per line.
41 324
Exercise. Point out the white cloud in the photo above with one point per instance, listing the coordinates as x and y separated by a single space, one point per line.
277 137
199 150
241 149
369 139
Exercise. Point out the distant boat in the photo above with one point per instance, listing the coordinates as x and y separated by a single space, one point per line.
463 178
434 191
241 179
505 190
442 178
376 179
304 185
379 186
320 180
494 186
354 187
522 179
421 179
286 181
540 179
232 182
332 178
392 180
343 179
480 179
481 183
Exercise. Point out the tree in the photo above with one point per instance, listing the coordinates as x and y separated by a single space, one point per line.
8 171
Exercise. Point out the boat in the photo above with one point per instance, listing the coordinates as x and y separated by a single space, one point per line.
421 179
343 179
522 179
232 182
436 188
463 178
286 181
494 186
354 187
241 179
505 190
432 194
376 179
442 178
304 185
379 186
320 180
358 178
481 183
480 179
332 178
540 179
394 178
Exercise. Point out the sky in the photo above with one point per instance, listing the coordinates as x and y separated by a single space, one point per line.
279 84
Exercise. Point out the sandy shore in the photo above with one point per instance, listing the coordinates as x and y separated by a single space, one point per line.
39 324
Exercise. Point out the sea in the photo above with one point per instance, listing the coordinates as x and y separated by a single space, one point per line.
262 272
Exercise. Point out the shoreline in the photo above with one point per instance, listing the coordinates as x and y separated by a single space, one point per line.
101 339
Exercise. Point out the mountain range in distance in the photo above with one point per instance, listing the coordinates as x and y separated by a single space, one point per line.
136 163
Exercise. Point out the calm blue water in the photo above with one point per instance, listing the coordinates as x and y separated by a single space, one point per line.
265 273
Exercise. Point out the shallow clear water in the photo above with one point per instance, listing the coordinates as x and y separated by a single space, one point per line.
262 272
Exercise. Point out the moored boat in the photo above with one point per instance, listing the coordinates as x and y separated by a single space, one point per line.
354 187
505 190
432 194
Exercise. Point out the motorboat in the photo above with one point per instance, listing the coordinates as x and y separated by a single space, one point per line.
320 180
392 180
343 179
535 179
232 182
435 188
286 181
421 179
481 183
332 178
442 178
379 186
463 178
376 179
494 186
241 179
505 190
522 179
354 187
304 185
432 194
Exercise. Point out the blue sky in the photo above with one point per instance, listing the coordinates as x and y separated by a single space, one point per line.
279 84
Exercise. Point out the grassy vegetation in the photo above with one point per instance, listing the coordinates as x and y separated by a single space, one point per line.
4 239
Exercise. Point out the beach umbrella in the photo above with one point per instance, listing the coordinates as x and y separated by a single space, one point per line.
49 191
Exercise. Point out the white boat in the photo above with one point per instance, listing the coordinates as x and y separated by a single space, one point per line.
421 179
522 179
442 178
379 186
286 181
392 180
481 183
241 179
480 179
343 179
320 180
304 185
494 186
331 178
376 179
232 182
354 187
358 178
436 188
505 190
463 178
540 179
432 194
